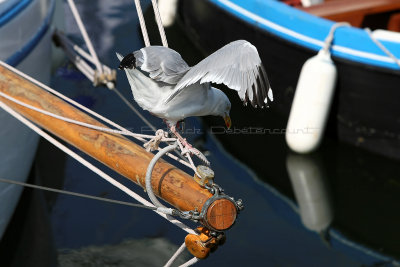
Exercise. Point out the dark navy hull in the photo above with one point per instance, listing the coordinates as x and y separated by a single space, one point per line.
365 111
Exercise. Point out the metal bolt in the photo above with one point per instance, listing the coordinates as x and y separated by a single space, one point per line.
205 175
239 204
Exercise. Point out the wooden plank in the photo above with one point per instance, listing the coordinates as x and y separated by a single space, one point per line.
352 11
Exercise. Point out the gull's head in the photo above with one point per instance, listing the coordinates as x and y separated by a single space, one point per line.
222 107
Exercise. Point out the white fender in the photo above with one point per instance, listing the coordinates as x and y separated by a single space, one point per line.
307 3
311 103
168 9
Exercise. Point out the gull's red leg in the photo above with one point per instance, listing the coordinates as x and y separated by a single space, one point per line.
176 133
188 147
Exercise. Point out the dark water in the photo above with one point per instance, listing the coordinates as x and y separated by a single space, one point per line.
350 218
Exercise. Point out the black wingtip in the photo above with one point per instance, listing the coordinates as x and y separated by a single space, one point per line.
128 62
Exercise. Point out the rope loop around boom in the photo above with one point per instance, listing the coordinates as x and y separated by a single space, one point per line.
149 172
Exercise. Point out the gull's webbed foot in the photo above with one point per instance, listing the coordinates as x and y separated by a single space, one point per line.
188 148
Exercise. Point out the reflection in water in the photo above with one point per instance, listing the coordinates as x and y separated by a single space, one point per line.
127 253
311 190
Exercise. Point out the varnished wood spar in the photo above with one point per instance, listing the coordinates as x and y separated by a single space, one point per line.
115 151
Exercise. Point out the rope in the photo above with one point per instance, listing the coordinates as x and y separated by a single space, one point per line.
77 194
158 208
159 23
150 145
79 50
84 124
82 29
176 254
154 143
149 171
93 168
382 47
329 39
76 104
78 62
190 262
142 23
179 252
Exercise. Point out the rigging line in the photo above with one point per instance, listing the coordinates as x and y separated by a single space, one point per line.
74 52
92 167
84 124
159 23
149 171
176 254
190 262
78 61
84 34
61 36
76 104
77 194
67 99
77 54
142 23
382 47
329 39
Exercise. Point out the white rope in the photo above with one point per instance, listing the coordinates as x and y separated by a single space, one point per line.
122 131
161 210
142 23
92 167
95 114
58 94
159 23
176 254
156 138
77 60
82 29
329 39
84 124
382 47
190 262
65 41
149 188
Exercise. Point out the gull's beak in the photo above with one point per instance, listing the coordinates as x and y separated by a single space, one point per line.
228 121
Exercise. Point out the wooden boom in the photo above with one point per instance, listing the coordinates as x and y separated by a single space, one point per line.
117 152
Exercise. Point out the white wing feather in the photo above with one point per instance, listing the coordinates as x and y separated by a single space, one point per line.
238 66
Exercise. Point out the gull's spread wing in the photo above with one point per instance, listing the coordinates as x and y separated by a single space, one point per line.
238 66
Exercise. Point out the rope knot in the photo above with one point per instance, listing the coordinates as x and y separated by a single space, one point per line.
154 142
